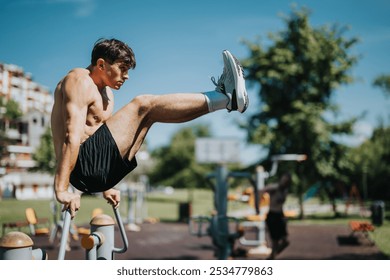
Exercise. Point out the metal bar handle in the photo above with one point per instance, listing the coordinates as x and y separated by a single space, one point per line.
64 235
200 221
122 231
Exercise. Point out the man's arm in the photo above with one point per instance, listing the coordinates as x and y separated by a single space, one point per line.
269 188
75 107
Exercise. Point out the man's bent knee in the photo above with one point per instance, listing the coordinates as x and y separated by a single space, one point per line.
142 104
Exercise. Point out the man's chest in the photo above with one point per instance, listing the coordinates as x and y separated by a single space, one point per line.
99 111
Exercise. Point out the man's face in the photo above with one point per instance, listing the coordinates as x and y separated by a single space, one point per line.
117 73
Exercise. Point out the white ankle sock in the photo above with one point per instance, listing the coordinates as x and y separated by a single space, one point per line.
216 100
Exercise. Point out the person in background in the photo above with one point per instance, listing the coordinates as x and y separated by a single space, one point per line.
275 221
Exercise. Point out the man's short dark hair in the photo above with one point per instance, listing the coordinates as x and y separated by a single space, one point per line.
113 50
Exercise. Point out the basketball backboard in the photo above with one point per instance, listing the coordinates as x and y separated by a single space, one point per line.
213 150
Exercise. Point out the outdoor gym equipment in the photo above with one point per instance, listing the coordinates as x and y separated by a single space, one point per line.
259 223
209 150
136 205
58 223
18 246
64 235
218 225
99 244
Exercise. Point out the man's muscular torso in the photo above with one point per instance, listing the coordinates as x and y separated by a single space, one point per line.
97 107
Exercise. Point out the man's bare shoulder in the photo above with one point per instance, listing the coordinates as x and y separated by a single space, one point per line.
78 74
78 79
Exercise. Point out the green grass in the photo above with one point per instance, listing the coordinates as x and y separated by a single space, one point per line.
12 210
158 205
166 208
382 238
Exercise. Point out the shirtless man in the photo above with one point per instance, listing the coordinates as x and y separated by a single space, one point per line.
94 148
275 220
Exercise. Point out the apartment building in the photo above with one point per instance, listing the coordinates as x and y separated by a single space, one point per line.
17 85
35 101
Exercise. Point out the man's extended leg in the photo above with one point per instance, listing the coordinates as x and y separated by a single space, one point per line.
130 124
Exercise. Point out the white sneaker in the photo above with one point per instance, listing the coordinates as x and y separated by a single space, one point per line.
232 83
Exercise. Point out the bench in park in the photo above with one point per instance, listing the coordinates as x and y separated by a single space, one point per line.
362 227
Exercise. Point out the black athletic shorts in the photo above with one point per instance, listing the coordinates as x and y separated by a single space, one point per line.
276 224
99 166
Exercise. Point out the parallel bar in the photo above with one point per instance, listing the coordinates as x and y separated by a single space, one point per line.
122 231
64 235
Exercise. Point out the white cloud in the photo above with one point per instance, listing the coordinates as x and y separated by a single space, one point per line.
361 132
364 129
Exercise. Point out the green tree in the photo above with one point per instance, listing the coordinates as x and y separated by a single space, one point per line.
371 160
175 163
44 155
9 111
383 82
298 74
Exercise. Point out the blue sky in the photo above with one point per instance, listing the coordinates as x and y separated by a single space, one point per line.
178 48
